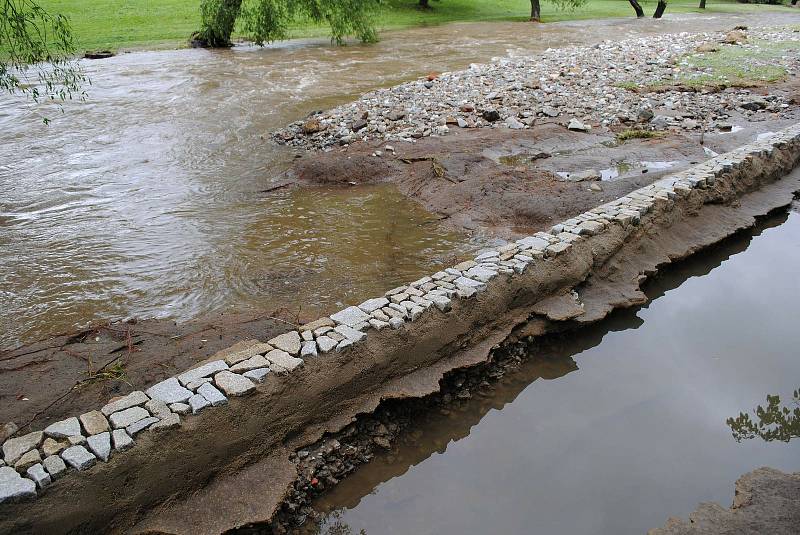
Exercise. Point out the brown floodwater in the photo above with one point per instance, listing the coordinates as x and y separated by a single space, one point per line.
614 429
145 200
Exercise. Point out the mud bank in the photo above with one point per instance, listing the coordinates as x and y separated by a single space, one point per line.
230 466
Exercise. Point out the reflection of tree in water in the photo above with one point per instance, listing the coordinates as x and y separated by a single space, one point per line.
774 421
335 526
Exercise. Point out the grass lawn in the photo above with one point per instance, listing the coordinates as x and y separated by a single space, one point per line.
127 24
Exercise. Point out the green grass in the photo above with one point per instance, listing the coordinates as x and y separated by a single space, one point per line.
625 135
130 24
746 65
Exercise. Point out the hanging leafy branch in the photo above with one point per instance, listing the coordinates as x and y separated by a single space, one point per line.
264 21
774 422
36 50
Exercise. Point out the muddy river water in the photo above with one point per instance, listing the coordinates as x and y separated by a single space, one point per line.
148 198
614 430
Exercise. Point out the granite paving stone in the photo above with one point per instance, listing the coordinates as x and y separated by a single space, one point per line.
128 416
137 427
121 440
64 428
55 466
94 422
131 400
258 375
78 457
289 342
15 488
214 396
234 385
100 445
206 370
169 391
14 448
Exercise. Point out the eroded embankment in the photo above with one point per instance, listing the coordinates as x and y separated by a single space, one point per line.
231 466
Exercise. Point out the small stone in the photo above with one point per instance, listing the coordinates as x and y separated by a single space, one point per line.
94 422
136 428
194 385
213 395
490 115
396 323
280 361
237 385
76 440
55 466
78 457
465 292
242 351
550 111
157 408
27 460
128 416
481 274
169 391
121 439
14 448
325 344
206 370
349 316
307 336
198 402
7 430
289 342
558 248
131 400
251 364
100 445
415 312
442 303
39 476
343 344
398 298
314 325
469 283
64 428
15 488
54 447
514 123
350 333
180 408
578 126
371 305
169 422
378 324
258 375
309 349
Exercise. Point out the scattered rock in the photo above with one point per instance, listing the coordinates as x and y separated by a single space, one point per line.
55 466
63 429
127 417
578 126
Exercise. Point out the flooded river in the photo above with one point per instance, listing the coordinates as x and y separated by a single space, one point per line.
148 199
615 429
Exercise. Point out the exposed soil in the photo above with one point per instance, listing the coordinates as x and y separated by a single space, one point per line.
73 373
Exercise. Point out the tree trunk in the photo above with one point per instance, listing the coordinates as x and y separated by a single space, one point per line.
636 7
703 4
536 11
423 4
660 8
794 2
218 21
